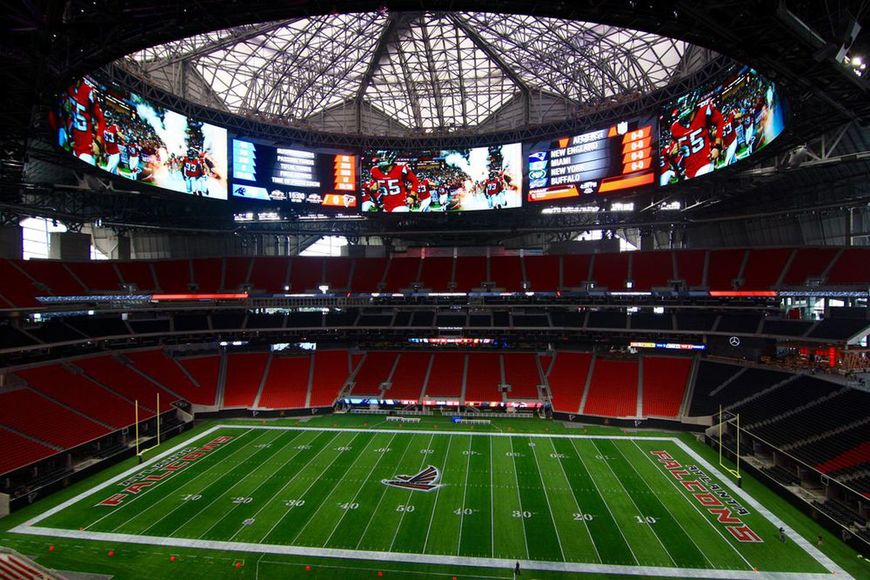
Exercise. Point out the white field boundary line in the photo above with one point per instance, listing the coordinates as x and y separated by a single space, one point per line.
797 538
28 526
570 567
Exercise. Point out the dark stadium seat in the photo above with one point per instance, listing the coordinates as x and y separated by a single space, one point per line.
306 274
436 274
665 380
610 271
376 368
575 270
286 385
18 289
613 388
690 267
19 451
852 268
764 268
204 371
409 376
138 274
401 274
168 372
651 269
331 370
506 272
173 276
709 377
32 414
542 273
567 379
99 276
445 378
120 378
207 274
483 377
336 273
808 263
470 273
368 273
83 395
724 268
521 373
244 374
236 273
270 274
54 276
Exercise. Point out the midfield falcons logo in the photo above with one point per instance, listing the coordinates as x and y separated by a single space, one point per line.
423 481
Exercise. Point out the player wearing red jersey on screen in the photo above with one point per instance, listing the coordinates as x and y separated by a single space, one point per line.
111 138
493 189
424 194
133 152
85 122
392 184
696 139
193 170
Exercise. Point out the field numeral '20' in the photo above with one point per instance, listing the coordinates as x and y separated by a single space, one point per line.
582 517
242 499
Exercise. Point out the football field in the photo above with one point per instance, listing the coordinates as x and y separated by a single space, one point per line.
554 502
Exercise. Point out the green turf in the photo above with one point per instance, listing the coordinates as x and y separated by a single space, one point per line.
580 500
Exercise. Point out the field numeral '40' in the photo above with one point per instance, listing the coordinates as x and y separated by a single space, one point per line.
348 505
404 508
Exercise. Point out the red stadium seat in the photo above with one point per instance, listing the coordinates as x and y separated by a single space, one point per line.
651 269
32 414
613 389
166 371
764 267
173 276
408 378
376 368
567 380
575 270
690 267
286 386
437 274
244 374
445 378
665 380
236 273
483 378
207 273
507 272
138 273
521 373
542 273
610 270
330 374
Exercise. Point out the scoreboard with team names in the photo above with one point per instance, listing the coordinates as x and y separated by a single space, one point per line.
293 175
604 161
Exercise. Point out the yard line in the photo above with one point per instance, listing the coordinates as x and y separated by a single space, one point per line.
464 495
519 498
315 480
224 494
435 505
619 481
666 507
325 500
172 511
356 495
491 504
402 517
131 500
549 506
697 509
289 481
380 499
579 509
604 501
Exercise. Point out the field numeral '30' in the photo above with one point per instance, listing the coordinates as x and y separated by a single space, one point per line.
521 514
292 503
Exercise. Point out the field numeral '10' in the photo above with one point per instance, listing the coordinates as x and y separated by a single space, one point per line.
645 519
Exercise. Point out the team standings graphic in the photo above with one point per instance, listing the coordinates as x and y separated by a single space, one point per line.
126 135
557 502
482 178
717 125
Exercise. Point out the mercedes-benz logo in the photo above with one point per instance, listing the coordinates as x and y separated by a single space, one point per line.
734 341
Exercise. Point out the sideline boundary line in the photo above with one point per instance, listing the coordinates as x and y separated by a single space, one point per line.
29 527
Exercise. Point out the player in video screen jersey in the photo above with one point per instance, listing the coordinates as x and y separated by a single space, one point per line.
193 171
84 121
392 185
424 194
696 140
111 138
494 190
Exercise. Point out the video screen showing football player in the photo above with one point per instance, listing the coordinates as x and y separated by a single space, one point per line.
79 121
392 186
